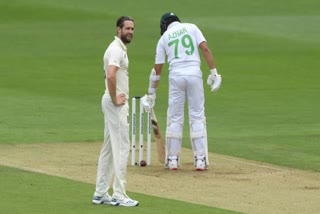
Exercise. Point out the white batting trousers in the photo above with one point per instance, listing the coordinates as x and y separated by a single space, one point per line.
115 149
180 89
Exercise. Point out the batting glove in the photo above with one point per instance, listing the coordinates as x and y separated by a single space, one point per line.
145 103
214 80
152 99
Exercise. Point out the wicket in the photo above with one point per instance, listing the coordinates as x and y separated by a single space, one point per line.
141 132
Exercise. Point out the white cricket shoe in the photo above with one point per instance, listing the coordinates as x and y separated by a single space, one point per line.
200 163
105 199
126 202
173 162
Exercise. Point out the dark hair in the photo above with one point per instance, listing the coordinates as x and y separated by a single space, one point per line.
121 20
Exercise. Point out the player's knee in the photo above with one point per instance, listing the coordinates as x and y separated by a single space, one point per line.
175 129
197 129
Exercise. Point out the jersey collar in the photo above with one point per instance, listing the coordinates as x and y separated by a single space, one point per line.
173 24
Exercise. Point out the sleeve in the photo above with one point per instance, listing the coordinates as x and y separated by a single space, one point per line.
198 35
114 57
160 53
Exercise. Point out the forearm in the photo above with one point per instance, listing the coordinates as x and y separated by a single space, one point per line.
209 59
207 55
112 88
112 83
153 85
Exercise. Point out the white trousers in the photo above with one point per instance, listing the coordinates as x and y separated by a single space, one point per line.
115 149
180 89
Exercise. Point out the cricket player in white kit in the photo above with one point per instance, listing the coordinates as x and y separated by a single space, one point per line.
115 149
180 43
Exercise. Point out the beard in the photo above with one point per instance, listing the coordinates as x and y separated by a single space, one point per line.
126 38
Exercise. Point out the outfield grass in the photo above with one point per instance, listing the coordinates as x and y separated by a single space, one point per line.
51 74
267 52
51 83
26 192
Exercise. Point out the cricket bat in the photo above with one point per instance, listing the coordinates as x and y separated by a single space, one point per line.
156 130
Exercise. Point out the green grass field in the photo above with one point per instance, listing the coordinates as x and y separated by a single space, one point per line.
51 79
25 192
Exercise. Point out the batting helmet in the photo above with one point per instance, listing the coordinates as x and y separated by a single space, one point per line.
167 19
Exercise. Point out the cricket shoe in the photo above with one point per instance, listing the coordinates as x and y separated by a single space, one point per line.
201 164
173 162
105 199
126 202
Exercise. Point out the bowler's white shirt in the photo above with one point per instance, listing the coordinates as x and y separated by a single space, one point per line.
116 54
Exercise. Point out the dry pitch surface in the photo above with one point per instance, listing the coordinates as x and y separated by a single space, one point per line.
230 183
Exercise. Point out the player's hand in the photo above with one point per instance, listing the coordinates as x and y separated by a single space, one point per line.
214 80
147 102
120 99
152 99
